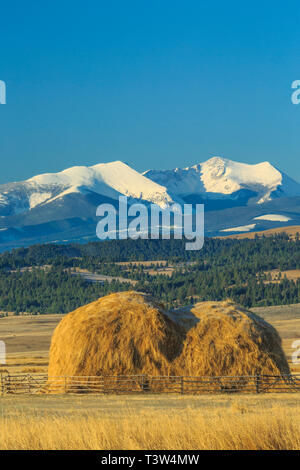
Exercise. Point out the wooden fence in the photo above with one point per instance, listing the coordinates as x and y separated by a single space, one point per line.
41 383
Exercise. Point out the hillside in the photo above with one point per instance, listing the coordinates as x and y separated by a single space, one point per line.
291 231
61 207
58 278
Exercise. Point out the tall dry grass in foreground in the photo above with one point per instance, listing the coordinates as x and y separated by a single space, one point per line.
235 428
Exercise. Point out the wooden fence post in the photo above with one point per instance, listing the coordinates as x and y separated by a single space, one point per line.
258 380
7 383
145 384
29 383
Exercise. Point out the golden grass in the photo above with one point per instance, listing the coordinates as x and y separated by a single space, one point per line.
234 428
291 230
23 364
277 275
27 340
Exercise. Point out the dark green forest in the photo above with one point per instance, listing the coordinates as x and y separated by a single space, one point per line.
224 268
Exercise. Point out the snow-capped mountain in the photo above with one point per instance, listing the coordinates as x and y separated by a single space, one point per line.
222 178
106 179
56 207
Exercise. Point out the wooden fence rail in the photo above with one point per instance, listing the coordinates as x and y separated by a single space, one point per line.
41 383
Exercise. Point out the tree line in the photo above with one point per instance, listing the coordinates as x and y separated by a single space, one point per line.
224 268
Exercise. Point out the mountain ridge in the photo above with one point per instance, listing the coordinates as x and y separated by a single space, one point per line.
219 177
62 206
107 179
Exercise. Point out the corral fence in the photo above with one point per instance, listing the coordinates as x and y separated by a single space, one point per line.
41 383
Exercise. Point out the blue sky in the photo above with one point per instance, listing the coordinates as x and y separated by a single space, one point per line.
157 84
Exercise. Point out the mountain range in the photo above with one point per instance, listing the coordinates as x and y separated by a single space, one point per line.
61 207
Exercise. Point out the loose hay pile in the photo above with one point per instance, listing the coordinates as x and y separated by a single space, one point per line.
128 333
223 338
226 340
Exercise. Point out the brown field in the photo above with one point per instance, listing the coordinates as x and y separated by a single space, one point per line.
155 267
150 422
142 263
277 275
27 339
286 319
291 231
270 421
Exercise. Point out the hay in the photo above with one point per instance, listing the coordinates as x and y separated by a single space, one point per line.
126 333
225 339
129 333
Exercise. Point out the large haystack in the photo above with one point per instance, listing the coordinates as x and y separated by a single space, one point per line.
126 333
225 339
129 334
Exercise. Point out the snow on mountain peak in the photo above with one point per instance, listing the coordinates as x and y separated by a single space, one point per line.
221 176
107 179
127 181
226 176
216 178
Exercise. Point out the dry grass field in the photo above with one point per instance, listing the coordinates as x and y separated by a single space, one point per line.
286 320
276 275
27 339
150 422
233 421
155 267
291 231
